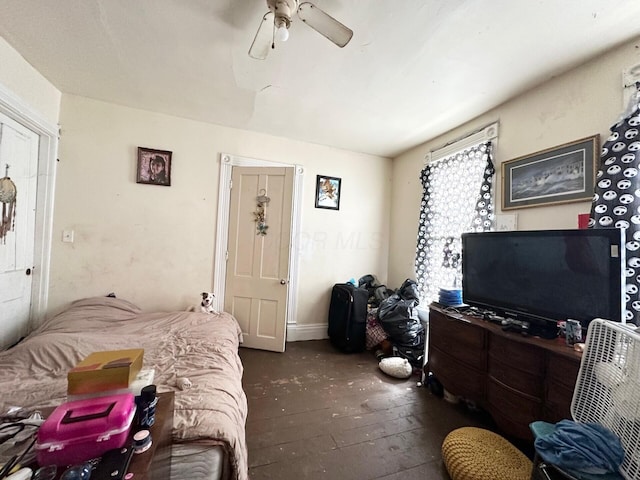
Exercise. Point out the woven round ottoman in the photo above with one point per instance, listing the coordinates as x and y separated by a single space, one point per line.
471 453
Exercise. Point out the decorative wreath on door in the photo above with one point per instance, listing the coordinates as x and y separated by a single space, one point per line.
259 214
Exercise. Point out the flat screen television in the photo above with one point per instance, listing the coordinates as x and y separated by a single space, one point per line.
546 276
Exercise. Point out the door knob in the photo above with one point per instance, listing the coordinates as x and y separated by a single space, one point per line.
283 282
28 272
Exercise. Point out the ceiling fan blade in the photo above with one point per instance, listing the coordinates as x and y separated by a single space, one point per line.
263 39
324 24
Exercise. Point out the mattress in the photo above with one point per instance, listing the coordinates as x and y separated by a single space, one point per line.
198 462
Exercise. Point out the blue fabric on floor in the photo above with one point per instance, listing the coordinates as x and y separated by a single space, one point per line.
581 447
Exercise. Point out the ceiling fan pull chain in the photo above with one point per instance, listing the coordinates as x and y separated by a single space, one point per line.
273 34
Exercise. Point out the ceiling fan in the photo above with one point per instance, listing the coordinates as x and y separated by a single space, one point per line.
275 25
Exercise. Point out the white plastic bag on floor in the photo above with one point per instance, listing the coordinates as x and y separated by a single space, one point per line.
396 367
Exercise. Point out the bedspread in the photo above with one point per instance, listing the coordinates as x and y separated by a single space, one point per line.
201 347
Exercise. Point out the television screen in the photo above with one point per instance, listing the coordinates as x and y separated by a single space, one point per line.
546 275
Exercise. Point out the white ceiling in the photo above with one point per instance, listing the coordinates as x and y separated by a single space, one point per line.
413 70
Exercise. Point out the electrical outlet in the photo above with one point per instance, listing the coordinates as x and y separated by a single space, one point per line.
67 236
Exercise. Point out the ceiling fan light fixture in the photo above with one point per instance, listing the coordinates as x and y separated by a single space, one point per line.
282 34
282 29
276 22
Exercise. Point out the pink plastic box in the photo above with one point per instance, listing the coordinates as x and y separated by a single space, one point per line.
83 429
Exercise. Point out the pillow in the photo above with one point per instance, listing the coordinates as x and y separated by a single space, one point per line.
396 367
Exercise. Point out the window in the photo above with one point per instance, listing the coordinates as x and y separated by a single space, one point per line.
457 198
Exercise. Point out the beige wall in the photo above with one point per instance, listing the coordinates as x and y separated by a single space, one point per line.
580 103
28 84
155 245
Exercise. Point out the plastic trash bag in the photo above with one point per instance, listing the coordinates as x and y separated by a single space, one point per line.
399 316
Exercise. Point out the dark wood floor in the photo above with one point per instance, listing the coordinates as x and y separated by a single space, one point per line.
317 413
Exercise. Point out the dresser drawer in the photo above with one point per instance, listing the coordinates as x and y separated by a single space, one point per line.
465 341
520 355
514 429
519 380
457 377
517 407
563 370
558 402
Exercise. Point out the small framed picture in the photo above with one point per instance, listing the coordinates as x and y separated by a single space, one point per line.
328 191
154 167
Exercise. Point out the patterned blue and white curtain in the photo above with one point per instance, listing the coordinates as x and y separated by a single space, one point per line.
456 198
616 201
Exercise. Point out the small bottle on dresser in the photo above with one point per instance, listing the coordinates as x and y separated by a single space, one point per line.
147 406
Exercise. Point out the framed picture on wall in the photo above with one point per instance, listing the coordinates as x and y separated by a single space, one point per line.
328 192
561 174
154 167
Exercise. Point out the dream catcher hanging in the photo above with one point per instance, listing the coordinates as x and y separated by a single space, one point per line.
8 194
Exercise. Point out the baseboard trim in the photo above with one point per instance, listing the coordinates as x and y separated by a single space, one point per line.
298 333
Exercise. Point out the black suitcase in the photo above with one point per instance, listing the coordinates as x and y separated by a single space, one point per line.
348 317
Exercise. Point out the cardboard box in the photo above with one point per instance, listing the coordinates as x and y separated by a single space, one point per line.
143 378
104 371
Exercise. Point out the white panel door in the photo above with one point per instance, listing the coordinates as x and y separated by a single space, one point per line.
19 161
258 265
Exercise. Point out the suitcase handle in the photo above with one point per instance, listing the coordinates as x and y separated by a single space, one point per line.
69 418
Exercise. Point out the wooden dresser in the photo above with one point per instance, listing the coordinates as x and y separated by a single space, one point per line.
517 379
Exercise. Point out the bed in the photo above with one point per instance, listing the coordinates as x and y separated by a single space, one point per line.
209 419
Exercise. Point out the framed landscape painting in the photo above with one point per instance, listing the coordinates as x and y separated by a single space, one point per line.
557 175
